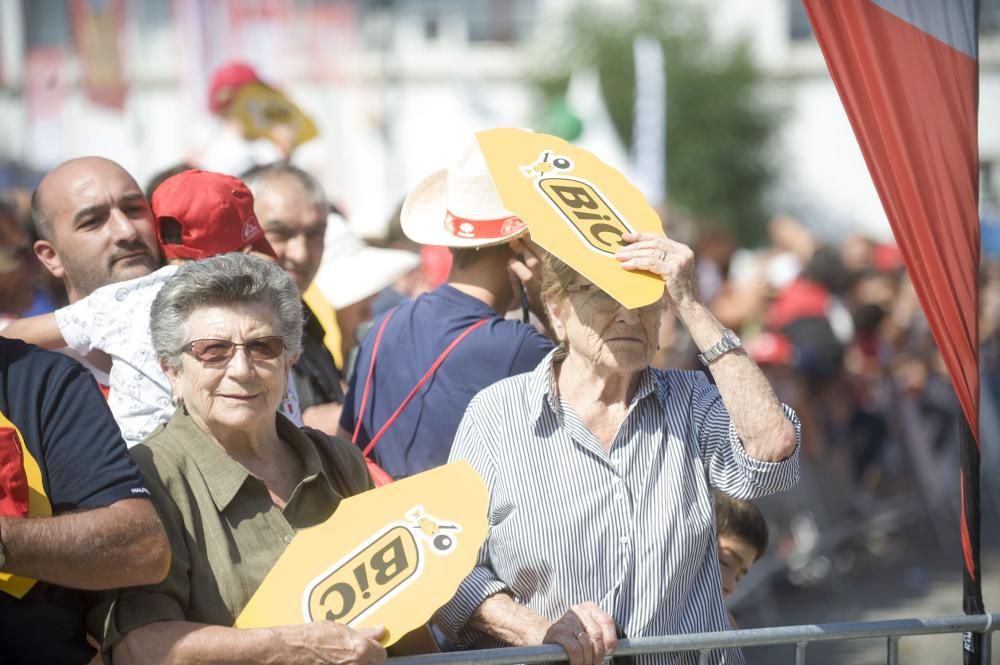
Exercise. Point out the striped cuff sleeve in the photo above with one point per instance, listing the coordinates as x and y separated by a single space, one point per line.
454 616
762 478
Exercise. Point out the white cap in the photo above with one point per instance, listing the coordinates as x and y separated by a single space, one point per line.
352 271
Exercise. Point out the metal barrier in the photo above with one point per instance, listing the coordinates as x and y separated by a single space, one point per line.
704 643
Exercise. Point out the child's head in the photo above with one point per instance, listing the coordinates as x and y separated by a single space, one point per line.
742 538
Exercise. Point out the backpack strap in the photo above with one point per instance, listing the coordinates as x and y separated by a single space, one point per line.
426 377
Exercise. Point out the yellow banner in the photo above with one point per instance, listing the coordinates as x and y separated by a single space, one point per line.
261 109
575 206
390 556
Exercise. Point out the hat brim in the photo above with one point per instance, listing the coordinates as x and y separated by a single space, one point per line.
262 246
425 210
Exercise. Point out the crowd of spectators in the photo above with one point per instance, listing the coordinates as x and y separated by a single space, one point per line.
245 337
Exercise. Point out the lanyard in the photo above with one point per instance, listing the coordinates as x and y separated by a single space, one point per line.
427 375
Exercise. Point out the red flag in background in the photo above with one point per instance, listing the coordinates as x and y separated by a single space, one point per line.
97 25
908 74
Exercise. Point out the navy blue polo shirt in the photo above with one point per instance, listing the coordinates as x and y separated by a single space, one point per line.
418 332
69 430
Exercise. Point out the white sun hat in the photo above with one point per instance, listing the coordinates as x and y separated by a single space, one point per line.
459 207
352 271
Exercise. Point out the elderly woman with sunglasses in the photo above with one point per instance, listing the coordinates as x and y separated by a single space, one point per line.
601 471
232 478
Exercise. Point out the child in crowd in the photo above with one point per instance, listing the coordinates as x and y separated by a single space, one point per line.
742 538
198 214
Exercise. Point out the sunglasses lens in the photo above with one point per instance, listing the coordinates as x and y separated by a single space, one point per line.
211 351
265 348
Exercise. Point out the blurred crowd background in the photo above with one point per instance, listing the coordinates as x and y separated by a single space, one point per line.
721 111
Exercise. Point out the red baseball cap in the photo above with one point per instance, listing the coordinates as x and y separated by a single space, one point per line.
215 213
770 348
227 80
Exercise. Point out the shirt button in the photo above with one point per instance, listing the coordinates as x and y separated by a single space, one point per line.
619 497
288 539
623 540
615 481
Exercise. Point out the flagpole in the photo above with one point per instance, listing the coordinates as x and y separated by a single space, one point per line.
972 588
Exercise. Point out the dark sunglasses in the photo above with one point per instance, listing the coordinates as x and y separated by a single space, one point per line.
220 351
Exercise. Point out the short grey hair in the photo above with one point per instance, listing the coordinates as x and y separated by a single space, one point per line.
227 279
258 178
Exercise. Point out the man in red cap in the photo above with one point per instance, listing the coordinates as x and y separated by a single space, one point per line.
198 214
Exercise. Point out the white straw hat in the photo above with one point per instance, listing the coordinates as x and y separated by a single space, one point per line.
459 207
352 271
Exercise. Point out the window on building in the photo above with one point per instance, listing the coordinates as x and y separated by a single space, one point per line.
503 21
46 23
799 28
989 184
989 16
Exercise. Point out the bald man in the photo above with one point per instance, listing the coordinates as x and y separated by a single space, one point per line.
94 226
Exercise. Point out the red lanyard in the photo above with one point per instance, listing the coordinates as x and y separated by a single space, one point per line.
427 375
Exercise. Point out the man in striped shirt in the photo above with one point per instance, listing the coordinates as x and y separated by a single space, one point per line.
601 468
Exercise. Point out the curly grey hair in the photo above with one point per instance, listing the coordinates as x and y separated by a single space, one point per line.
227 279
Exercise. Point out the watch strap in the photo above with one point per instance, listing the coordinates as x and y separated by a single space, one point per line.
728 342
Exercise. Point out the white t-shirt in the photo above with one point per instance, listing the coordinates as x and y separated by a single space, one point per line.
115 319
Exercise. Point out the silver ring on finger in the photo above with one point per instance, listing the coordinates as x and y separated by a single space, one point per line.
581 634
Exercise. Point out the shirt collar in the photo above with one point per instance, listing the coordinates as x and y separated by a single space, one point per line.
468 303
223 475
542 391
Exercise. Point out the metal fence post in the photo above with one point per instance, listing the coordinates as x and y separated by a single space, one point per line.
892 650
800 653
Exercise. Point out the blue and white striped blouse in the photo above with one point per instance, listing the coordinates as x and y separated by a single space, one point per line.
631 529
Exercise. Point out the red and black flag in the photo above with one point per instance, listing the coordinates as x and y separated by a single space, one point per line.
908 74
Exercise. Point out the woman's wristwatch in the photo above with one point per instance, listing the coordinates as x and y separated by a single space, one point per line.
729 342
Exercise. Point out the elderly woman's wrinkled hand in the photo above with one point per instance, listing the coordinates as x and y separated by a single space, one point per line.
586 632
671 260
329 642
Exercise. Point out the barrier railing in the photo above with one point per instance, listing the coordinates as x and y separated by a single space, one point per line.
703 643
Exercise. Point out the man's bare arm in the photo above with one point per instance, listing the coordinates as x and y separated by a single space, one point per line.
104 548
